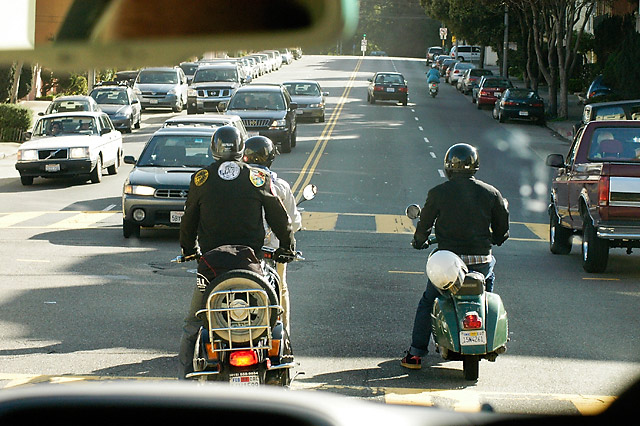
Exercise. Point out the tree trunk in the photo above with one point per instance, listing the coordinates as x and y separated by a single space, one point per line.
16 82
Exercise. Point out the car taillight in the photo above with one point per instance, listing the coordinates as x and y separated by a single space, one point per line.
484 92
403 90
537 105
509 103
472 321
378 88
456 71
603 191
243 358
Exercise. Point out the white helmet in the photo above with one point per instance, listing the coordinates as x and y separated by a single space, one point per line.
446 270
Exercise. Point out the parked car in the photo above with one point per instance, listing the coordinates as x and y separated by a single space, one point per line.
616 110
385 86
472 77
521 104
70 144
378 53
595 192
490 89
213 84
267 110
71 104
432 52
156 189
446 63
465 53
310 98
287 56
162 87
121 105
597 88
457 69
208 120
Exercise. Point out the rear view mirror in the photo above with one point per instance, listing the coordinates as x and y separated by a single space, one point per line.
555 160
412 211
80 34
309 192
129 159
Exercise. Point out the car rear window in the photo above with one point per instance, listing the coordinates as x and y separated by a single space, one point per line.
177 151
302 89
480 72
609 113
493 82
110 96
615 144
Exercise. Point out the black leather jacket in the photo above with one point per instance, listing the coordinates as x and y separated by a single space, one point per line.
469 216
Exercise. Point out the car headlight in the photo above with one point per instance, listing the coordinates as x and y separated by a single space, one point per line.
192 92
278 123
316 105
80 152
139 190
27 154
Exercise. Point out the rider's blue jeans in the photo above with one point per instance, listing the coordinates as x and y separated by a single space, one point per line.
422 322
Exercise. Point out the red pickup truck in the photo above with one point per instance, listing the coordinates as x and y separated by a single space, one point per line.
596 192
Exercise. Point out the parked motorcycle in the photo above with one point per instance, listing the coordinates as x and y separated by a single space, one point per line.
468 322
433 89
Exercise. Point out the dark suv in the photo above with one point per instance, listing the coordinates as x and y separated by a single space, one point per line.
266 110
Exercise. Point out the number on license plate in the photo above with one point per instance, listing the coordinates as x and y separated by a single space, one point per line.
468 338
176 216
52 167
244 379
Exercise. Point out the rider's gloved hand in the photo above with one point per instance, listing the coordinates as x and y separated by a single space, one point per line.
284 255
418 244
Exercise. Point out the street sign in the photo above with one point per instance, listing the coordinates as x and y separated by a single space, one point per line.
363 45
443 33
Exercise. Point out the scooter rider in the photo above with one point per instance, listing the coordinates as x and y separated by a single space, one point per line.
224 206
260 152
469 216
433 75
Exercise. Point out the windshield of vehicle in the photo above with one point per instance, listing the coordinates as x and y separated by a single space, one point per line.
615 144
189 69
68 125
110 96
302 89
257 100
158 77
68 106
177 151
215 75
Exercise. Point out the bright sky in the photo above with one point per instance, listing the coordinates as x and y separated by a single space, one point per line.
17 24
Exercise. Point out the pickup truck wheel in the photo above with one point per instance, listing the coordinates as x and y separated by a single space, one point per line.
559 236
595 251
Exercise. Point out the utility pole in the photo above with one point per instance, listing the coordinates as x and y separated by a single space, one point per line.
505 45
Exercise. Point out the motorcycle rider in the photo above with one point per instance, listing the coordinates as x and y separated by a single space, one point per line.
433 75
260 152
469 216
225 205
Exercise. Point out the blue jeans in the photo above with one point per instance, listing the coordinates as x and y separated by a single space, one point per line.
422 322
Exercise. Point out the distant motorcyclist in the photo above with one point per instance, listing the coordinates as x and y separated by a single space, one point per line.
433 75
260 152
469 216
226 205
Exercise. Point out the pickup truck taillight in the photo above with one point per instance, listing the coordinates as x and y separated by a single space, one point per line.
603 191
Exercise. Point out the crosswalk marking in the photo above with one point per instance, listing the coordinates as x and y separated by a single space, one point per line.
11 219
82 220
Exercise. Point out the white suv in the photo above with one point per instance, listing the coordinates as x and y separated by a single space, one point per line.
465 53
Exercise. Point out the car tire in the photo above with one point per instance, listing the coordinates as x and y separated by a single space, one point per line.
501 117
113 169
322 118
494 114
405 101
478 105
294 138
26 180
96 173
595 251
191 110
559 236
178 107
130 229
137 125
286 144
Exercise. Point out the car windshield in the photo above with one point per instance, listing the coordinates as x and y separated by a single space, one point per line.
215 75
257 100
613 144
189 69
177 151
110 96
67 125
158 77
302 89
68 106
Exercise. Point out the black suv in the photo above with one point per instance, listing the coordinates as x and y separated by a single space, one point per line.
266 110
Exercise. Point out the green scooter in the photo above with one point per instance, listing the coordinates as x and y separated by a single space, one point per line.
468 322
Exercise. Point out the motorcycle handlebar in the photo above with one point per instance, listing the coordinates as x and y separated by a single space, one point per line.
182 258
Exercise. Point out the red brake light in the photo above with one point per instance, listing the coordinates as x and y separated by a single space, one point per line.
603 191
403 90
472 321
484 93
378 88
243 358
537 105
509 103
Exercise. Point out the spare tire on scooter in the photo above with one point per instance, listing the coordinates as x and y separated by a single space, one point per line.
243 307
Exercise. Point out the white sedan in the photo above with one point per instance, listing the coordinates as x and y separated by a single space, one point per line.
70 144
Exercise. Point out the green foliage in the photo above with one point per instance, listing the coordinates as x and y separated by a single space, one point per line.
6 77
608 33
621 70
71 84
14 119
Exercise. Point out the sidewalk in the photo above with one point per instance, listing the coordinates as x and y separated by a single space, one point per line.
9 149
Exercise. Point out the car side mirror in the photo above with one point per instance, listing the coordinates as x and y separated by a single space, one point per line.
135 101
370 79
26 136
555 160
41 113
293 105
412 211
129 159
104 131
325 93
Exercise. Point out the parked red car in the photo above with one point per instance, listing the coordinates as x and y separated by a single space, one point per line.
491 89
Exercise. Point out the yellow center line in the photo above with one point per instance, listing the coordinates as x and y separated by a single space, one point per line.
312 162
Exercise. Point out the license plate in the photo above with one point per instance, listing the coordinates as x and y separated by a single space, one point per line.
251 134
52 167
497 94
244 379
468 338
390 89
299 111
524 113
176 216
153 101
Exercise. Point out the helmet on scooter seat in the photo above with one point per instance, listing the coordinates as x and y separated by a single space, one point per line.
227 144
446 270
461 159
259 150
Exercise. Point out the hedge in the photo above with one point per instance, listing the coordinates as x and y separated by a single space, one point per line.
14 121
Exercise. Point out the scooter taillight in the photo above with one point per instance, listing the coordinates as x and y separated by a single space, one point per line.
472 321
243 358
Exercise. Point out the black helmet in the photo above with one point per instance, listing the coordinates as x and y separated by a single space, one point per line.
227 144
461 159
259 150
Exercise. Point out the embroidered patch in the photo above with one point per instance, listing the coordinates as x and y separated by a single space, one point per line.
201 177
257 177
229 170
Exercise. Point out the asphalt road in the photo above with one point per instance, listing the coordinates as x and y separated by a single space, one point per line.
80 302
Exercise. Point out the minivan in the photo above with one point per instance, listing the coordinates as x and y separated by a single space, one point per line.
465 53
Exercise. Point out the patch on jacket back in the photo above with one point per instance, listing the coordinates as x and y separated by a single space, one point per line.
257 177
201 177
